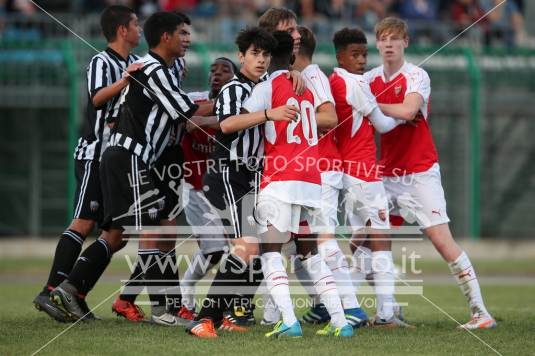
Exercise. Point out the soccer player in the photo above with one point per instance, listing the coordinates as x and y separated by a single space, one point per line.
281 19
365 199
331 178
162 281
235 177
408 154
105 80
151 103
198 143
289 194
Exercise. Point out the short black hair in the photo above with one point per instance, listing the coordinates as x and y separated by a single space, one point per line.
308 42
282 55
112 18
347 36
184 17
256 36
158 24
234 67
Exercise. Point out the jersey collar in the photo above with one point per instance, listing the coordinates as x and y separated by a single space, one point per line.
345 73
393 76
277 73
115 54
159 59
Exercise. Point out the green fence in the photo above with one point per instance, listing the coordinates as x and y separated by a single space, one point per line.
481 118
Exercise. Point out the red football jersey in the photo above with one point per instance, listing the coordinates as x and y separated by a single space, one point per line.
291 172
318 84
197 146
407 148
355 133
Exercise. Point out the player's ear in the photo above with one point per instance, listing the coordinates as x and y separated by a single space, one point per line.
406 42
241 57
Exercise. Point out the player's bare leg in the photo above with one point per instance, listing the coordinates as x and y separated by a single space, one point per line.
464 273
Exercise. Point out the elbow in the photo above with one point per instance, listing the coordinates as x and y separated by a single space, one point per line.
331 122
225 128
410 114
96 102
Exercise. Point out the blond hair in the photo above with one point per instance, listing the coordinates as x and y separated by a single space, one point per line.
391 25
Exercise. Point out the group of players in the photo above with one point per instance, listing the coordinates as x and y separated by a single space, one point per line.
276 145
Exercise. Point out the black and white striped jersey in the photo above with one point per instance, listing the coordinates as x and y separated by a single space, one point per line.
242 145
104 69
149 105
179 68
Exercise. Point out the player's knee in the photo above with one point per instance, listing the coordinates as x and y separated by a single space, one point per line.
82 226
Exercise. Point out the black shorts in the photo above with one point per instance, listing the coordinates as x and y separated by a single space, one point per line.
232 190
167 173
88 196
131 197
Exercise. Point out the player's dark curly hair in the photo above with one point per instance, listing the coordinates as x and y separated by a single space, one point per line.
347 36
256 36
282 56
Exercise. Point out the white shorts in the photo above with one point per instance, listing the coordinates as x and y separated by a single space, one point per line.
204 222
418 197
329 209
365 202
284 216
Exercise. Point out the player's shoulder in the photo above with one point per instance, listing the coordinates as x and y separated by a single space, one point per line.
313 72
373 73
414 71
236 82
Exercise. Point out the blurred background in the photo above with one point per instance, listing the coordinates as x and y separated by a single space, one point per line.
482 114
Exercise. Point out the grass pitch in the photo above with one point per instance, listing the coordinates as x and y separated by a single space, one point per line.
23 330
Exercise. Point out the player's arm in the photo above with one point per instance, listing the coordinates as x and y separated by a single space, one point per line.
326 116
408 110
299 84
106 93
206 108
382 123
202 122
171 98
247 120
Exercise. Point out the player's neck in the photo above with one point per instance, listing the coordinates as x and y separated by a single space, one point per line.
249 76
301 63
122 48
168 58
392 67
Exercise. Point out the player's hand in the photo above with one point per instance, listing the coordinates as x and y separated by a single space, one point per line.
283 113
298 81
132 68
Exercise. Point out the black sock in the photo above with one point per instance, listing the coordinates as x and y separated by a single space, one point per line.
90 266
254 279
153 279
232 272
67 251
135 284
172 281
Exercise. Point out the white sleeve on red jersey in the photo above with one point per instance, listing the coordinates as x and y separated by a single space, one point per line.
418 82
318 83
260 98
361 97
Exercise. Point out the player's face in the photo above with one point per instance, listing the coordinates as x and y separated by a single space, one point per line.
133 31
392 46
290 26
184 39
353 58
254 63
220 73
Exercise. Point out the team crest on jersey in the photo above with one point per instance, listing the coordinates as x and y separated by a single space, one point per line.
94 205
397 89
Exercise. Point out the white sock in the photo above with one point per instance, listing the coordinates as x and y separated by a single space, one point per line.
194 273
383 274
271 312
466 278
304 279
277 284
362 266
337 262
326 288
